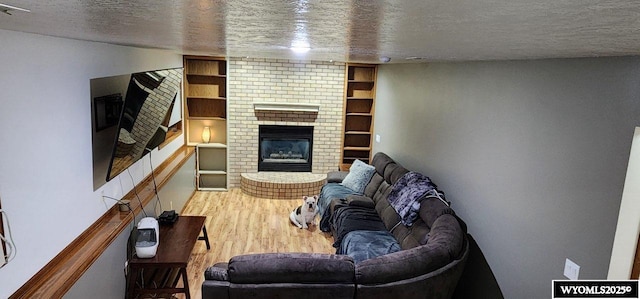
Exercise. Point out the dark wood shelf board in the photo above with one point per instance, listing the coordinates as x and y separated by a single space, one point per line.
357 148
206 75
206 98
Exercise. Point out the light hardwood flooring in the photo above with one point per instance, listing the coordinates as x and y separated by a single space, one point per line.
238 224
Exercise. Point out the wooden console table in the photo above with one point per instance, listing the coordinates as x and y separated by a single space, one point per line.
160 274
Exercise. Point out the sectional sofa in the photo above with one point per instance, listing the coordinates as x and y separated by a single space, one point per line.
381 253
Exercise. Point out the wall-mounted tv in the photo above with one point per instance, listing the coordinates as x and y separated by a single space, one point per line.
125 128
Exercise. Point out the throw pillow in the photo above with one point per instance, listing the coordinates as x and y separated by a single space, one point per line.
359 176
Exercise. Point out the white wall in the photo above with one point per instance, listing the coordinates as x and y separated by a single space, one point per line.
626 239
45 141
532 155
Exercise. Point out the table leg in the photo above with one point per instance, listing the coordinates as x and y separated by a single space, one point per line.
131 282
185 281
205 237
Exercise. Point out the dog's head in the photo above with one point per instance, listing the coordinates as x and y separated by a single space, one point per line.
310 202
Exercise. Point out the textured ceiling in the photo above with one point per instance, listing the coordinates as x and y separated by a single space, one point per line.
346 30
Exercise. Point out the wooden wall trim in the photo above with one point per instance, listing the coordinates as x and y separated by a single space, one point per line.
62 272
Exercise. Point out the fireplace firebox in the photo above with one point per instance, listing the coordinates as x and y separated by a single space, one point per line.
285 148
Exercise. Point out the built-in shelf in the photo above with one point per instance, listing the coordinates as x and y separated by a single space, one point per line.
213 145
211 166
219 172
358 114
273 106
206 109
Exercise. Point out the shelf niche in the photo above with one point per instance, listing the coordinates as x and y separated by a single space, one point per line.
359 106
206 106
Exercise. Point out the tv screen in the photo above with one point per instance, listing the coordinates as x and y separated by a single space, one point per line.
130 116
145 115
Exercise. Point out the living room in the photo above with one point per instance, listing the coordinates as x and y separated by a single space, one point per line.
533 154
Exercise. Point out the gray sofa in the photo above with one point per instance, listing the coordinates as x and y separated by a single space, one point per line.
433 253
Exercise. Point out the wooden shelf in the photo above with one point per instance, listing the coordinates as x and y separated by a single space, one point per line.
205 66
206 106
207 118
211 165
206 76
357 148
212 145
359 102
217 172
205 98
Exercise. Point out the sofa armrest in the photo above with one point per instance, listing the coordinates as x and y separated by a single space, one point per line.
291 268
360 201
336 176
219 272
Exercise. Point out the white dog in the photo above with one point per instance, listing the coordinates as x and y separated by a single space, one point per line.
306 213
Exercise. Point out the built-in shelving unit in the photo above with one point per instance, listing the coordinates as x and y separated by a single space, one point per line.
205 98
359 104
206 108
211 166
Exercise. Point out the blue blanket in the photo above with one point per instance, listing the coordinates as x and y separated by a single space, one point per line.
328 193
346 219
407 192
363 245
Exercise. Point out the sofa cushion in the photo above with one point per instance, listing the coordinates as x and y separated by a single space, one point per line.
402 264
431 208
447 233
363 244
336 176
359 176
217 272
328 193
373 185
291 268
360 201
346 219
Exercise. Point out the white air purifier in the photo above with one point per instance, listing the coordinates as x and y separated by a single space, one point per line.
148 238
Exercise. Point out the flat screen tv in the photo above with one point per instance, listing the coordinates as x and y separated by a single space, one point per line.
131 116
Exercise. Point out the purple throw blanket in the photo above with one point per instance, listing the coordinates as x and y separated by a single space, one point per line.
407 192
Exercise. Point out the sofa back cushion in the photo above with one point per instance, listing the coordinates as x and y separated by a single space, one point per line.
291 268
387 173
445 243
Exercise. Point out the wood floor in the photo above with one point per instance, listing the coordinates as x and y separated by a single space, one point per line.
238 223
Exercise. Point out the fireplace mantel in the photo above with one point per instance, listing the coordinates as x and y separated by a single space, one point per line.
276 106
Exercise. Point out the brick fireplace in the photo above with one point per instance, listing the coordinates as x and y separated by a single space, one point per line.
289 82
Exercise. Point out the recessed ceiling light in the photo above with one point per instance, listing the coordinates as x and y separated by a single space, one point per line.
384 59
8 9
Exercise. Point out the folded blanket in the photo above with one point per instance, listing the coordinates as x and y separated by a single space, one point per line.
329 192
363 244
350 218
407 192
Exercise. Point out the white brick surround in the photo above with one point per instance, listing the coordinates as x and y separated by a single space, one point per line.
274 80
